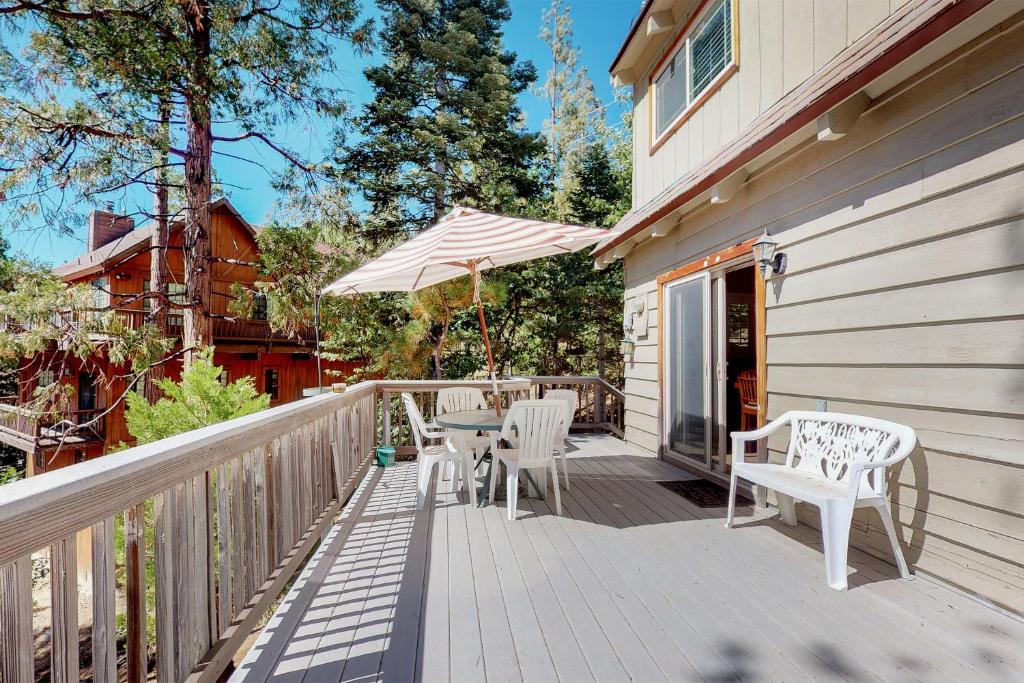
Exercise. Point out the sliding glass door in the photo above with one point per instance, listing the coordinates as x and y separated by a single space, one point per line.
687 350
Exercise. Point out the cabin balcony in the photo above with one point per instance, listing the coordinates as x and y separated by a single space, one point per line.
631 582
224 330
33 431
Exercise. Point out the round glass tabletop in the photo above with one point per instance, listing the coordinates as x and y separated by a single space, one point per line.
472 420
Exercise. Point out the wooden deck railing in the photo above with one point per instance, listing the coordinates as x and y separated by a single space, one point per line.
239 328
601 405
218 519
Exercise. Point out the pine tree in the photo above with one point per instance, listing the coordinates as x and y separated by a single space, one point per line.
560 314
444 126
575 120
84 103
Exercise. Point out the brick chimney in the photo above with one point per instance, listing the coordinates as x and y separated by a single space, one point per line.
105 226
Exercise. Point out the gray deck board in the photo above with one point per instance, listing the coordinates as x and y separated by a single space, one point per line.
632 582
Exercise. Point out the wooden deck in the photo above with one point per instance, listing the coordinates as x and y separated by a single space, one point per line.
632 582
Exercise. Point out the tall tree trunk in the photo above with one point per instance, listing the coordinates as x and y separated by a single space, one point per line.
158 250
197 329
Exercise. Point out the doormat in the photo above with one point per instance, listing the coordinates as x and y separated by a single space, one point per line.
703 493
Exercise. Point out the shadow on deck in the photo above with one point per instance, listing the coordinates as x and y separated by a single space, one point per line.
632 582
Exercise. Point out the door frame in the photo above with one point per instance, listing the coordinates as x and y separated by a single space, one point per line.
724 260
705 277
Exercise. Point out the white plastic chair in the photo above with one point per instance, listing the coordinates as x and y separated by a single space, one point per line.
536 425
571 400
454 399
426 456
837 462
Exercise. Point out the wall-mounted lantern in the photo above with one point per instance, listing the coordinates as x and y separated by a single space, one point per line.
626 346
764 254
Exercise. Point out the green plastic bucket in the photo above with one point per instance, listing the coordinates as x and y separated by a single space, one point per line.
385 456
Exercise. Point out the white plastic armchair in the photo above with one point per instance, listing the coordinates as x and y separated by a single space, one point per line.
535 425
836 462
427 455
571 399
454 399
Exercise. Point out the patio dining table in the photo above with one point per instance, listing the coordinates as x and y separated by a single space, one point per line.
481 421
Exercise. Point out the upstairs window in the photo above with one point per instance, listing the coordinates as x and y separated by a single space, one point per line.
175 293
101 293
694 65
259 306
710 48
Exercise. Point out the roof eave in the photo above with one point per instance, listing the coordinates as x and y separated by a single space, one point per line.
937 26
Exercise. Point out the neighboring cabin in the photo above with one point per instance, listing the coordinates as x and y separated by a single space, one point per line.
118 262
880 143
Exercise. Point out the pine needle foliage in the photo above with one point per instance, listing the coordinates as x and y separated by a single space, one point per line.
199 399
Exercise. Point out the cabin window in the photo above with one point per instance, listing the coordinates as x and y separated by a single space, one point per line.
101 293
175 292
696 62
271 385
224 378
47 377
259 306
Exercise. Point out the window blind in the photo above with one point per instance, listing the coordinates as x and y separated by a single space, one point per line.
710 48
670 92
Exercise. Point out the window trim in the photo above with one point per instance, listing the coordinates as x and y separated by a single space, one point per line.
681 44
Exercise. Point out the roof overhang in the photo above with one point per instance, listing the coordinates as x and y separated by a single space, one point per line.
119 254
656 23
904 44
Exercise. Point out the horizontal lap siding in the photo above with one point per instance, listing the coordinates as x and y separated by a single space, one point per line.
781 42
904 299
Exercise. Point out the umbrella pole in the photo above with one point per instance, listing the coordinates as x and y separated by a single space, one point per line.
490 357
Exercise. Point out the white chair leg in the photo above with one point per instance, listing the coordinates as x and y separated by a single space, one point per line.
565 466
423 481
468 477
836 517
512 492
495 473
732 500
894 541
558 491
787 509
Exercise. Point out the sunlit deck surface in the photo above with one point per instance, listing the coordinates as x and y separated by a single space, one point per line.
633 582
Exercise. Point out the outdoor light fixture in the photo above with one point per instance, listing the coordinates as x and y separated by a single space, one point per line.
626 346
764 254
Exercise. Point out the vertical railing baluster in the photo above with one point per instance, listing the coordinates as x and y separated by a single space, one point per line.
225 539
164 513
64 651
16 661
135 590
104 629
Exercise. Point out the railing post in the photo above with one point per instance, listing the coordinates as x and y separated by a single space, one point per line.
599 403
386 409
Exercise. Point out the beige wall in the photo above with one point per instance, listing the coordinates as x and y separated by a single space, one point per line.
904 299
781 42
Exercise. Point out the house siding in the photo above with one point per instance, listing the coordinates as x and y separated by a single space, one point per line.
780 43
904 299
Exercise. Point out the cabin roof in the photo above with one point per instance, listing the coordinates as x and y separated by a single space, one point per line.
133 242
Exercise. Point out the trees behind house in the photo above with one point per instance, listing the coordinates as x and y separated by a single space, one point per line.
108 94
443 129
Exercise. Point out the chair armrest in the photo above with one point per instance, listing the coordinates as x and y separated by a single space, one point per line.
763 431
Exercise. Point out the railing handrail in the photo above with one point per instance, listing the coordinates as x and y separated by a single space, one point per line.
398 385
576 379
41 510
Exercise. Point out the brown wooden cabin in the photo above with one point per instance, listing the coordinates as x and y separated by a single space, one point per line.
118 260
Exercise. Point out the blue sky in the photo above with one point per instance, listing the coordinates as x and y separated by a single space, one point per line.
600 27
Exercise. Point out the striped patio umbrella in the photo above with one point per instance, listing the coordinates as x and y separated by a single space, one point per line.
465 242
